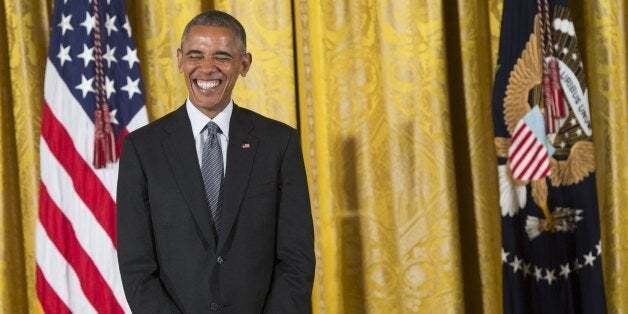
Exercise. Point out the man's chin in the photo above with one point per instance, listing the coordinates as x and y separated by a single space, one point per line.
209 105
208 97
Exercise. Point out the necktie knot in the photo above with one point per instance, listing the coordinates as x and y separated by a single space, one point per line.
212 128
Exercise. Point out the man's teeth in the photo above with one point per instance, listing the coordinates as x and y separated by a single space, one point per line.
207 84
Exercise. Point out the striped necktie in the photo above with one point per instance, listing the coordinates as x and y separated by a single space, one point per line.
212 171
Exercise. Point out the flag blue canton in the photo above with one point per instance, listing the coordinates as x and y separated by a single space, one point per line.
72 53
551 247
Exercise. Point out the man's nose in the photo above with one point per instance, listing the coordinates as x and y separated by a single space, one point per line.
208 64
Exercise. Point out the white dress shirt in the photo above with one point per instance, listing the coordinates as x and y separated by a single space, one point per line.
199 120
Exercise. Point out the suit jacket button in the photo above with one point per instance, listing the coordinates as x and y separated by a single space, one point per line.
219 260
213 306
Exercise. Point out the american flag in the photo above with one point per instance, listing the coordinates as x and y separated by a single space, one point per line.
77 269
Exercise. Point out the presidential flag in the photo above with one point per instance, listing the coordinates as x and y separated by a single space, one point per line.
551 248
93 97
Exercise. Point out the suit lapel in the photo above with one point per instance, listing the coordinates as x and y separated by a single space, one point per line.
240 154
181 153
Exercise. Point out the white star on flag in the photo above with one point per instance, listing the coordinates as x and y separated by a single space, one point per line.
131 57
127 26
89 23
109 88
564 270
589 259
87 55
549 276
109 55
132 87
538 273
516 264
65 24
86 85
110 24
112 116
64 54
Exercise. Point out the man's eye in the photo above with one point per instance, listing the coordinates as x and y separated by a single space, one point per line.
195 58
222 59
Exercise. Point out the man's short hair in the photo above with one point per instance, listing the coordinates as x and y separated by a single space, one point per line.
217 19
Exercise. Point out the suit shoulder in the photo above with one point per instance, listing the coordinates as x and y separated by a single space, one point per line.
267 124
153 127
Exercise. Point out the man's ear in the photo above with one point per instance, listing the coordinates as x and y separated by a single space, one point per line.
180 60
247 59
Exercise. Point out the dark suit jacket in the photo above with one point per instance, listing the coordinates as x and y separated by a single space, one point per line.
169 257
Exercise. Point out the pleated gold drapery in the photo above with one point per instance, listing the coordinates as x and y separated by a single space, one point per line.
392 99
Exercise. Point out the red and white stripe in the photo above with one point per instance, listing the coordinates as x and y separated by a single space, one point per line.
528 157
77 269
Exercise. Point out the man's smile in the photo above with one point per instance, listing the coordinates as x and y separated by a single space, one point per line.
206 85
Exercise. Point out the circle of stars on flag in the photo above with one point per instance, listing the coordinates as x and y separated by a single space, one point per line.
550 275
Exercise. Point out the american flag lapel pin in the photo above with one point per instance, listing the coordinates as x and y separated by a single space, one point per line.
246 145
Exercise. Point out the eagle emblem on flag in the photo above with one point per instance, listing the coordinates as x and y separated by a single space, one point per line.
531 148
551 247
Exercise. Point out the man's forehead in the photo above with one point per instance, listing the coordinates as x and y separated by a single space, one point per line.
211 31
199 34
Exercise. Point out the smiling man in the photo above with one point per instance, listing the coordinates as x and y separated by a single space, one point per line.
213 205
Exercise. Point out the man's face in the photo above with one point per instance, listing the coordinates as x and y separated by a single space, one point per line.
211 58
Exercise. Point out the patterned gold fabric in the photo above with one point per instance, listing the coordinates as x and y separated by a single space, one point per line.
22 63
392 99
12 263
606 56
375 83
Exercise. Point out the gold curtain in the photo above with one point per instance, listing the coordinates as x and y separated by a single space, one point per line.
392 99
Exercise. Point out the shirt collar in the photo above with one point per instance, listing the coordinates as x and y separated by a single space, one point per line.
199 120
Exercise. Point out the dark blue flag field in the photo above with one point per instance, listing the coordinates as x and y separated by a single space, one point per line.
551 248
